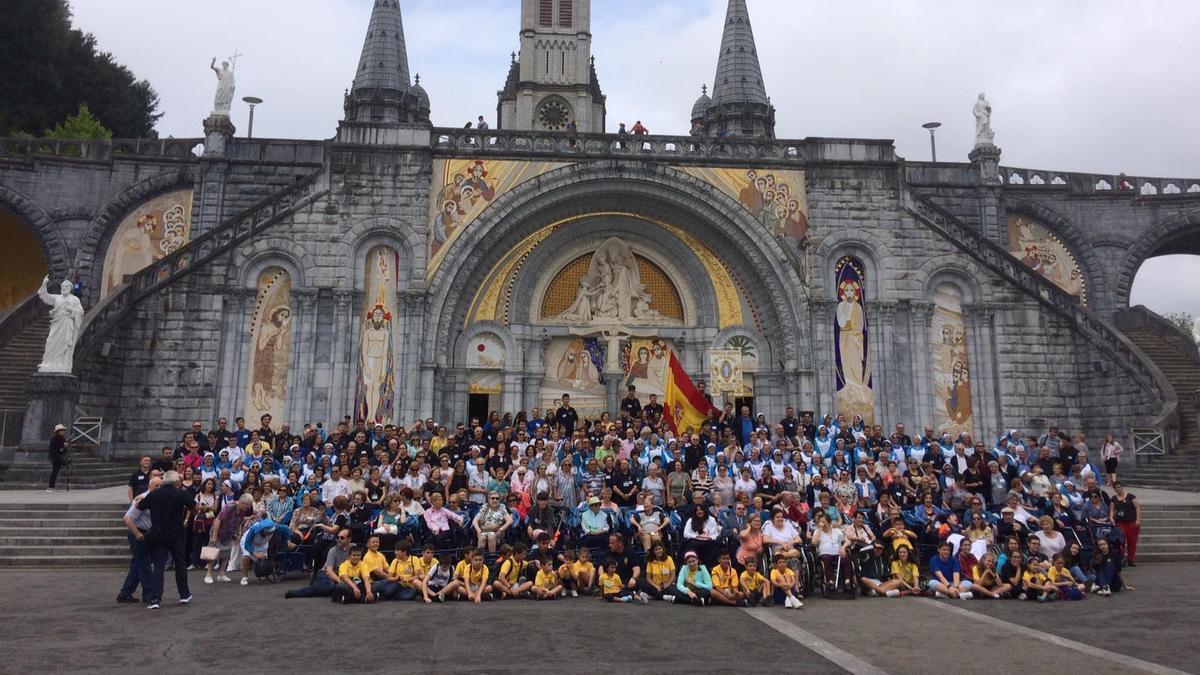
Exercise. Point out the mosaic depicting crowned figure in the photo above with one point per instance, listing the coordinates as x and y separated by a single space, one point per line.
612 290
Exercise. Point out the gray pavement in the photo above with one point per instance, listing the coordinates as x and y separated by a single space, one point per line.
112 495
67 622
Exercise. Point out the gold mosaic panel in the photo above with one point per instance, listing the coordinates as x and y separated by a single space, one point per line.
562 291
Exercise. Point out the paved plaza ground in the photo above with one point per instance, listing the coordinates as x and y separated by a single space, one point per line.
67 621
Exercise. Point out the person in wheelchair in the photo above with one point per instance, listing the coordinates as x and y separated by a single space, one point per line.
833 551
782 536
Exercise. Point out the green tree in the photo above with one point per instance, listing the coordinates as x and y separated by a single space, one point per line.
48 69
83 125
1184 322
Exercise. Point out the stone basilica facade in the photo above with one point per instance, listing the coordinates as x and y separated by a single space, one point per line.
400 270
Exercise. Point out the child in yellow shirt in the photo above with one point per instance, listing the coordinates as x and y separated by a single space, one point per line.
474 577
758 590
584 572
726 589
511 581
353 580
546 585
659 579
1035 581
612 589
784 583
403 577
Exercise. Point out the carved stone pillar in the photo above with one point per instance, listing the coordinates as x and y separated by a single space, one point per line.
921 328
980 323
341 394
299 406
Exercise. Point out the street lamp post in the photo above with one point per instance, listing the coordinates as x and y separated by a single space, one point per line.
931 126
252 101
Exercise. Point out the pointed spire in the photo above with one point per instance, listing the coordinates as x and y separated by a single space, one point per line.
382 92
739 105
384 61
739 76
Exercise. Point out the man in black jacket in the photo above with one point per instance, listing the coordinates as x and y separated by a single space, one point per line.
167 505
58 454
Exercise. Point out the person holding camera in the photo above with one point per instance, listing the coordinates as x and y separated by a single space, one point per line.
58 455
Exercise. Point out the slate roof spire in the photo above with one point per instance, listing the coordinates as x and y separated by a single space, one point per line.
739 76
739 104
382 92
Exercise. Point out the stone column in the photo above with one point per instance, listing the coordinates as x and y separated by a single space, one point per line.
980 322
825 377
920 327
409 338
890 392
340 395
304 345
235 326
985 160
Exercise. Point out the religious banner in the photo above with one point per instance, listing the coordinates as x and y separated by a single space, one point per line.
646 362
1043 253
725 371
462 189
951 367
777 199
375 392
271 346
852 358
575 366
149 232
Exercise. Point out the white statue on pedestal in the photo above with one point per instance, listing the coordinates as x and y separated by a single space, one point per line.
612 291
66 316
983 122
225 86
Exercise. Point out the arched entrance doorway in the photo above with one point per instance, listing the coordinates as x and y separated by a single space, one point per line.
25 264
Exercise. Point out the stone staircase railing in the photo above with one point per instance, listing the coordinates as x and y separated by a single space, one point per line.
1105 337
1142 317
15 318
29 149
195 255
1100 183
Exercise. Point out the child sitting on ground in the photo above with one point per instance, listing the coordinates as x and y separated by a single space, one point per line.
1035 581
758 590
584 572
612 589
473 578
511 581
439 580
784 582
353 580
546 585
727 590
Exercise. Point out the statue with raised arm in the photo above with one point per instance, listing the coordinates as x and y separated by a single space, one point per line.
66 317
983 122
225 86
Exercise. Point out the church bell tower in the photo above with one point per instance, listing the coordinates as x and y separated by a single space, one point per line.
552 84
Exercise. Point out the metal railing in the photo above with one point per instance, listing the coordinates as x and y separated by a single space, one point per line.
87 429
1147 442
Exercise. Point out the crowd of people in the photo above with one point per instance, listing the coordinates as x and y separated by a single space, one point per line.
739 512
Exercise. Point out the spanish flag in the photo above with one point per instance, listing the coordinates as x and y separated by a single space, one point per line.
685 406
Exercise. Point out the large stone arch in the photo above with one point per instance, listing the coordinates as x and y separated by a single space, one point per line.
658 191
960 272
100 232
43 227
1177 234
268 252
1084 250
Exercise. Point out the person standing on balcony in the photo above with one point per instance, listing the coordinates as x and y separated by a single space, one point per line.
639 129
58 455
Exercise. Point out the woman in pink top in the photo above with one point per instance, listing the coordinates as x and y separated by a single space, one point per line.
751 538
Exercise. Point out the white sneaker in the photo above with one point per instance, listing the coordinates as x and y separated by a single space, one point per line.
184 601
208 579
892 593
644 597
245 581
224 578
965 596
939 594
51 490
574 594
797 604
669 598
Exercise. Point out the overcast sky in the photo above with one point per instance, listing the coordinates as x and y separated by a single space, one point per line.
1102 86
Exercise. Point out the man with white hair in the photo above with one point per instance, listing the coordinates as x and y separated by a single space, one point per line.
138 523
167 507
